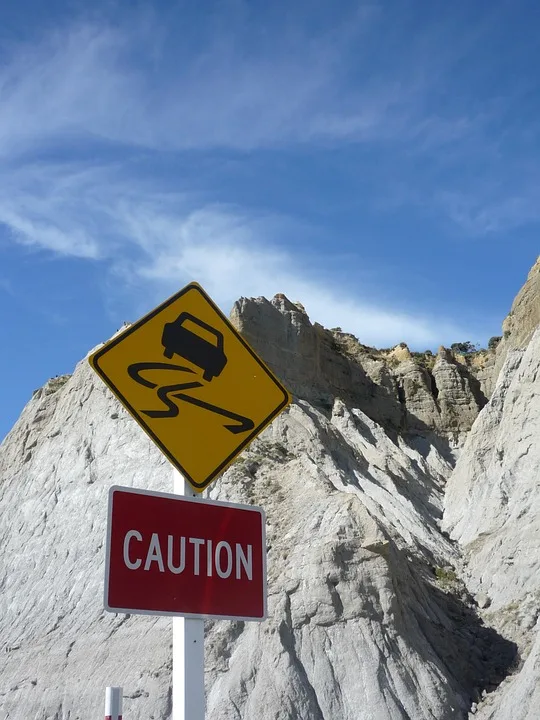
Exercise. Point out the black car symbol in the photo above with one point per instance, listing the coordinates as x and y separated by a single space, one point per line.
206 354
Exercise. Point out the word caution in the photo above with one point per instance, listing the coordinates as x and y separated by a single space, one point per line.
173 555
222 560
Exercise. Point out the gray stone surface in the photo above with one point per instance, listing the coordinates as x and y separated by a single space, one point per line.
319 365
518 698
493 496
459 396
309 362
59 649
522 320
492 509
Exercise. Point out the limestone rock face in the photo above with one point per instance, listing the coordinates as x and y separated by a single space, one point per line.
524 316
59 649
307 358
518 697
415 390
320 365
458 393
492 510
493 495
522 320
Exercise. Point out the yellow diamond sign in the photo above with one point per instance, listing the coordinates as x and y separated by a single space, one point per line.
192 383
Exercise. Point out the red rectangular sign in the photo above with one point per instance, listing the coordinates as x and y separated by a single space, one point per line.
171 555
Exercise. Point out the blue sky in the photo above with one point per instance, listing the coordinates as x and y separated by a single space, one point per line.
377 161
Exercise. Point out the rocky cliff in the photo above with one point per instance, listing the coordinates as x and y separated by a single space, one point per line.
517 328
523 318
493 511
410 395
387 600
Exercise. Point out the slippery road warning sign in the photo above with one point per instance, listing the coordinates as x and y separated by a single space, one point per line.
192 383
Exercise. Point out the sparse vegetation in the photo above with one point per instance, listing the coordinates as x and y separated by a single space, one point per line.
493 342
262 452
55 384
464 348
414 386
445 575
425 359
466 353
348 344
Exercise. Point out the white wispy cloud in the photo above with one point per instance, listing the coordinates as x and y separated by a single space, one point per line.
91 82
161 241
87 83
67 84
237 265
38 207
84 81
502 209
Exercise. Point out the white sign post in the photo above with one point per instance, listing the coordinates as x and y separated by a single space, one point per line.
188 649
113 703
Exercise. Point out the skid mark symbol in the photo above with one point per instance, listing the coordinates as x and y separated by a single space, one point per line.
166 393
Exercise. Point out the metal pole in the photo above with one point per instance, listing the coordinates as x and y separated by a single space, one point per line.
188 649
113 703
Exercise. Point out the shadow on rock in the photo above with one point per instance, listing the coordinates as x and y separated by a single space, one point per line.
474 655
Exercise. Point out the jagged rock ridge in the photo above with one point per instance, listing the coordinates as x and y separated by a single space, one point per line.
390 387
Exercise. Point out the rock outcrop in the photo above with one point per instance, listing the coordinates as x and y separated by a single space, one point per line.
494 484
524 315
492 510
310 363
517 328
389 387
